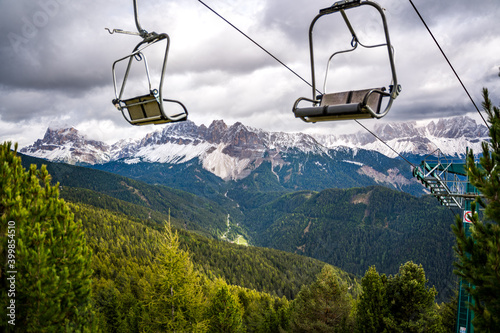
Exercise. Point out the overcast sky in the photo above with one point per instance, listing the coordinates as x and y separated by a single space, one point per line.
56 58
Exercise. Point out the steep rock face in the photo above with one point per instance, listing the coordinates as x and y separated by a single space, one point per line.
69 146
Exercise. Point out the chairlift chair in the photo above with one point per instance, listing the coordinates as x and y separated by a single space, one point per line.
148 108
354 104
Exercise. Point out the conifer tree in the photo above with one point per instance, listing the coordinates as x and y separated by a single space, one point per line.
47 251
324 306
411 302
225 313
479 255
174 299
372 303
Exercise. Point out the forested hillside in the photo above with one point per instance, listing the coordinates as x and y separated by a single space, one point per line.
198 213
148 276
357 228
348 228
127 235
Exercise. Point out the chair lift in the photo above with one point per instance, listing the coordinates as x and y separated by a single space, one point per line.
149 108
356 104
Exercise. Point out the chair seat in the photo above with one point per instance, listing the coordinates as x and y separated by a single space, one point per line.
143 109
146 109
343 105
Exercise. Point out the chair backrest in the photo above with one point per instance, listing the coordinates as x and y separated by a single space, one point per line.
374 100
143 109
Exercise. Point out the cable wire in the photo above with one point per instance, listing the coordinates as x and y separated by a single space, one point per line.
376 136
449 63
253 41
300 77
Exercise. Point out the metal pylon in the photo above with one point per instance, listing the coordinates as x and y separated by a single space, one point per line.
448 182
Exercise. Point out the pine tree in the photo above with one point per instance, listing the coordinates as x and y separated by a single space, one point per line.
174 300
479 255
47 249
372 303
324 306
411 302
225 313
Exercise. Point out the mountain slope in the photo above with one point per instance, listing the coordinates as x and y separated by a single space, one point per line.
351 229
197 213
356 228
123 231
452 136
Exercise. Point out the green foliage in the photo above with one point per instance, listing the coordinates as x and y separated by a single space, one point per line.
225 313
372 305
448 312
125 271
323 306
197 213
479 255
357 228
399 303
262 312
351 229
173 301
146 280
410 302
48 251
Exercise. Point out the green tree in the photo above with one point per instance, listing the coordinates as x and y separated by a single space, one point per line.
411 302
174 299
324 306
372 303
448 312
225 313
47 249
479 255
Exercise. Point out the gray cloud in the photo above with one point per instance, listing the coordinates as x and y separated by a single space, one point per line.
56 60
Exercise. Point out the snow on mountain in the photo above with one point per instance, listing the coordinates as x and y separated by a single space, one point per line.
452 136
232 152
69 146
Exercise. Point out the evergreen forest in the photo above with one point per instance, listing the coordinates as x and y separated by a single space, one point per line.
96 262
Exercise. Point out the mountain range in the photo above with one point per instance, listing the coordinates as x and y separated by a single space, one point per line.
191 157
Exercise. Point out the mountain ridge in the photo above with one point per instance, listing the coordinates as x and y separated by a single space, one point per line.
234 152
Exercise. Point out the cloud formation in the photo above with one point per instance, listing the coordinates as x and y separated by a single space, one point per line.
57 57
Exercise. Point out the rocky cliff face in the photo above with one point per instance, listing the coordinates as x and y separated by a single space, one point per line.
69 146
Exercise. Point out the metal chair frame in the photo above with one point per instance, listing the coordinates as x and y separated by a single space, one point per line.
366 103
145 109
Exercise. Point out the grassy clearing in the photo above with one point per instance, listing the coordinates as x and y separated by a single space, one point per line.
240 240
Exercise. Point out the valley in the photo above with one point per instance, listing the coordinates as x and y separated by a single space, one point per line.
321 197
352 229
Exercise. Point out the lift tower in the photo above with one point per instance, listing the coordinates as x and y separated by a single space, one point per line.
447 180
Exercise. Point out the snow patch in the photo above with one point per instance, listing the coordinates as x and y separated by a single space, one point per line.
172 153
132 161
353 162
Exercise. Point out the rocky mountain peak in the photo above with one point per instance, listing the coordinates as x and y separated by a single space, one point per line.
456 128
216 131
68 145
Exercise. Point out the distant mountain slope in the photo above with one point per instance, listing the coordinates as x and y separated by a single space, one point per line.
452 136
198 213
356 228
122 224
133 243
352 229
